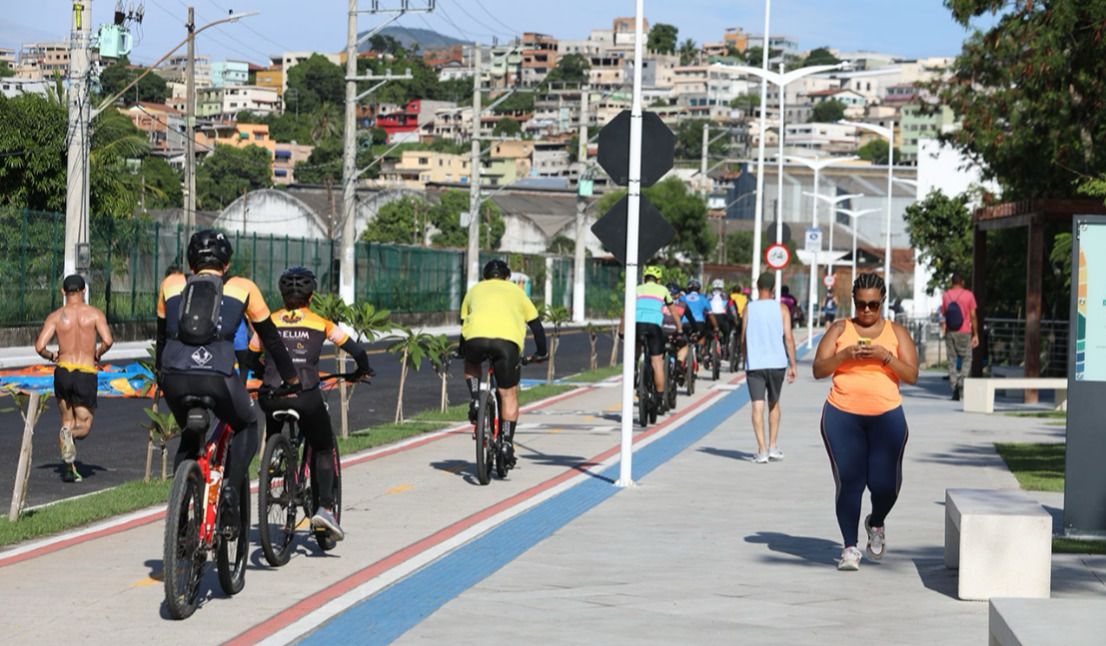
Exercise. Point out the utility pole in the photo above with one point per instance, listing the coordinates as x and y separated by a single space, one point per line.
579 264
190 127
472 259
704 181
77 254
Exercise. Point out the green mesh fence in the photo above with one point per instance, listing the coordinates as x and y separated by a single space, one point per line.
409 279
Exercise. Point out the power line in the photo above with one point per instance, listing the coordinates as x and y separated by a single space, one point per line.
495 18
483 24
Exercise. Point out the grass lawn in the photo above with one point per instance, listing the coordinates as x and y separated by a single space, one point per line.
1071 546
1038 467
1043 414
592 376
134 495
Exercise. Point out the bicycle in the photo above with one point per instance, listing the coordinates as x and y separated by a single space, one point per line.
490 449
671 373
714 356
691 362
197 521
287 483
735 348
646 387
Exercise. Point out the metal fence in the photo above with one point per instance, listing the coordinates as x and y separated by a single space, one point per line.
129 259
1006 344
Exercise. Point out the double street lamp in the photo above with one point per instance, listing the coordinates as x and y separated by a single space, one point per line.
889 135
854 215
813 295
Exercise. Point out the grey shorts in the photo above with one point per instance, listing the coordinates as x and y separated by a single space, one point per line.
765 384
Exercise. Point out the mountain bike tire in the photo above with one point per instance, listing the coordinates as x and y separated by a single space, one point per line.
485 421
276 500
231 554
183 559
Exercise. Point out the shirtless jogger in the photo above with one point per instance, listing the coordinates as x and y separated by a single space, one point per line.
76 325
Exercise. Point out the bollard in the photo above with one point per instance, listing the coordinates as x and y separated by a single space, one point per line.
23 471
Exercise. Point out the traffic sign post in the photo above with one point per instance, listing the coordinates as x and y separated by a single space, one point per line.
829 281
777 256
813 246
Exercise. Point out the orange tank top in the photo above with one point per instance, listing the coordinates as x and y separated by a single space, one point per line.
866 386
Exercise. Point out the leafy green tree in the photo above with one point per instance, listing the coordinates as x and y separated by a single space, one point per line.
288 127
562 245
940 229
830 111
820 56
324 165
384 44
454 89
507 127
1028 92
876 151
446 218
572 68
399 221
113 187
32 159
163 183
314 82
689 51
116 76
230 172
754 56
248 116
685 211
6 70
739 247
663 38
412 347
747 103
689 139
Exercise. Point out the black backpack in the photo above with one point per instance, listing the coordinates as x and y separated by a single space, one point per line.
201 307
954 317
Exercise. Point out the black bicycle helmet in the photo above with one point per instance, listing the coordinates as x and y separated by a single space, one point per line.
209 249
694 285
674 288
496 269
296 285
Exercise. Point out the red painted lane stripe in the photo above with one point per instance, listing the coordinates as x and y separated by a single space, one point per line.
315 601
355 460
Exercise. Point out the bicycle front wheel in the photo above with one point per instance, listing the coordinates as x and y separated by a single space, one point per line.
276 500
485 421
234 542
184 556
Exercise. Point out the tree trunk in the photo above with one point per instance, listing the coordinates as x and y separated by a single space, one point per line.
614 346
402 382
149 458
593 358
445 394
343 395
552 358
164 461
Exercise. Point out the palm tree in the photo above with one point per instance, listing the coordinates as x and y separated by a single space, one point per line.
413 348
368 324
326 123
440 352
558 316
689 51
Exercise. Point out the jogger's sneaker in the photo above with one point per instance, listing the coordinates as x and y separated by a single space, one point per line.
761 458
876 544
70 474
850 560
775 453
66 446
323 519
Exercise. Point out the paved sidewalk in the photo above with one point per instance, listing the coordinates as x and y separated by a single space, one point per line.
713 549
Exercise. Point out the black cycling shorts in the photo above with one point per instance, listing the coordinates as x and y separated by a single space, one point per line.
76 388
703 329
314 418
724 325
504 355
232 402
652 336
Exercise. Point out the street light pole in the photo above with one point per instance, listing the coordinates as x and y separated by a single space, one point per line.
779 172
855 215
889 135
758 220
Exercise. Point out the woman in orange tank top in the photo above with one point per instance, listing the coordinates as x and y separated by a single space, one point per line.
863 425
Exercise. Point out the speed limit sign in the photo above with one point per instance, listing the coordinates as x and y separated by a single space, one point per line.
829 280
777 256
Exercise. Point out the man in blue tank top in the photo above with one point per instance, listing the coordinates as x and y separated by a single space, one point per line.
769 350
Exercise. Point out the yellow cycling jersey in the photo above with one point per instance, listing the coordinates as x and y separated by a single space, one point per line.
496 309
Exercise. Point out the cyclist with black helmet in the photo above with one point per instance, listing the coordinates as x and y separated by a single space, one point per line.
698 308
494 316
653 300
303 334
197 318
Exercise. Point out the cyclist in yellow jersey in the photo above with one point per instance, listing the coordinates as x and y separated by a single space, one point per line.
494 316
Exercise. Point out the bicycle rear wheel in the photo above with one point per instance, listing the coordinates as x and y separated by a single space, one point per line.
692 368
715 360
670 382
322 537
276 500
184 557
735 352
234 542
485 421
643 392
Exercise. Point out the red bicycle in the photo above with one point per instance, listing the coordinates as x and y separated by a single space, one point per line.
490 449
198 520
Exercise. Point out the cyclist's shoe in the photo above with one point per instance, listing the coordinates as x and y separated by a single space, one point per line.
70 474
509 453
474 410
228 516
325 520
66 446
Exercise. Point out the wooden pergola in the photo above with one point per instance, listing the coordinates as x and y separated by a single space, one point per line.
1033 215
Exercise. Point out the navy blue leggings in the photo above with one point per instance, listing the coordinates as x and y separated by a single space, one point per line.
865 451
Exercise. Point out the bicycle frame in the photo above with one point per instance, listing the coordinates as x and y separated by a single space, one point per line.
212 466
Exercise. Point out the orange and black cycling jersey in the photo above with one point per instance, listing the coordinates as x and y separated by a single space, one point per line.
303 333
241 298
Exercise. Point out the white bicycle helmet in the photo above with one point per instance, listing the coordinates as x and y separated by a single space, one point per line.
717 283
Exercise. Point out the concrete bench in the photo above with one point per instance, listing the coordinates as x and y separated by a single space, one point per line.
1047 622
1001 541
979 394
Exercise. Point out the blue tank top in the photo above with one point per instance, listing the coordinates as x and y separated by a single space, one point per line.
764 345
697 306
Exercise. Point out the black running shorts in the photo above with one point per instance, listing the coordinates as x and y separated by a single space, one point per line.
75 388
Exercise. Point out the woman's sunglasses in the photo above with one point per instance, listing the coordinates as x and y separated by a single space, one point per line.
868 305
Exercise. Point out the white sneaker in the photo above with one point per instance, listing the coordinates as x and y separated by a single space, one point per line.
323 519
850 560
876 545
775 454
65 443
761 458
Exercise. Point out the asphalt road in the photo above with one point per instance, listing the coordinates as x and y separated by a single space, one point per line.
115 451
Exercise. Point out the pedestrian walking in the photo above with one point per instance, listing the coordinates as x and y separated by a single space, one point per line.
863 425
76 326
769 351
961 329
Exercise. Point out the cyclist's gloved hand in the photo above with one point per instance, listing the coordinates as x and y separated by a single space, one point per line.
361 375
286 389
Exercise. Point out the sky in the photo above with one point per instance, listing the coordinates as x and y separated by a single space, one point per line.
912 28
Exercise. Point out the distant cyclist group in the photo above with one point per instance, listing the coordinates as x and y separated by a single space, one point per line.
213 327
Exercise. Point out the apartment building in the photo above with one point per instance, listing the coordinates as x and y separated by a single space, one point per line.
416 168
38 61
539 57
8 56
229 101
230 73
828 138
163 125
922 121
285 158
549 159
271 77
409 121
175 70
13 87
